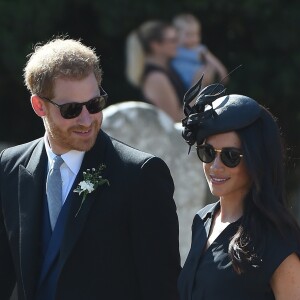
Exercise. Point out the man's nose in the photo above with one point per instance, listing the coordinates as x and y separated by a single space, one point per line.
85 118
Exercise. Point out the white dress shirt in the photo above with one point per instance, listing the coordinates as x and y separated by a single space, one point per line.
69 169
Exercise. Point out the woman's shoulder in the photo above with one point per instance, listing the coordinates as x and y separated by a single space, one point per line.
155 74
278 248
158 81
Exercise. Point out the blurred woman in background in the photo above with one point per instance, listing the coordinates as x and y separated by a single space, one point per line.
149 50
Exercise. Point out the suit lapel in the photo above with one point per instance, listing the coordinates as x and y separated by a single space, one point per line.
75 223
31 193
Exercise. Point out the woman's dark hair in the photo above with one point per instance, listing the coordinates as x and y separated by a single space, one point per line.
265 205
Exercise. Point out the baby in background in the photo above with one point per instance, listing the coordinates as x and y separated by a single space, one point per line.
193 58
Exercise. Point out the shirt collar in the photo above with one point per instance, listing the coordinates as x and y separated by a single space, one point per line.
72 158
212 211
214 208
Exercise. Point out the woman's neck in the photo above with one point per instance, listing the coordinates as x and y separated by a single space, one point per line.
230 211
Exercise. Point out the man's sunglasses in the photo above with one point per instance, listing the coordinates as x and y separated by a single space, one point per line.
230 156
73 109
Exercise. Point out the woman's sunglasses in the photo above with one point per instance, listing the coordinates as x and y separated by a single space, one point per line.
230 156
73 109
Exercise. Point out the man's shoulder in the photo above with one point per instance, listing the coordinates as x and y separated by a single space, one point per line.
123 154
128 151
19 152
22 147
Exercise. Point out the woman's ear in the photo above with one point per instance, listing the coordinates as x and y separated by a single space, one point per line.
38 105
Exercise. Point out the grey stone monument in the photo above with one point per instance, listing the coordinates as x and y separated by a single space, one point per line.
149 129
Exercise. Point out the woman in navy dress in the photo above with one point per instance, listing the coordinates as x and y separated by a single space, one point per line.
247 244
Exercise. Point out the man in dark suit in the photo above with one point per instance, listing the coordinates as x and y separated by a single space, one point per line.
117 236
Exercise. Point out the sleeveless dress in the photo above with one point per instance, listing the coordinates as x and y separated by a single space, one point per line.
173 77
209 275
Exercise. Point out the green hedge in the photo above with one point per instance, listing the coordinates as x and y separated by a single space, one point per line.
261 35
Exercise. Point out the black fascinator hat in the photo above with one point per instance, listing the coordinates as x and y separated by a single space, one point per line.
214 112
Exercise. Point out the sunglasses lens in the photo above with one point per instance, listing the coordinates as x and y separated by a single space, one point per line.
206 153
230 157
70 110
96 105
73 110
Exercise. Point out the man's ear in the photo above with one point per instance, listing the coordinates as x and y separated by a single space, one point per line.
38 105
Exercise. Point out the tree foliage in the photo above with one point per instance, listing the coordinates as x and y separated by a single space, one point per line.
262 35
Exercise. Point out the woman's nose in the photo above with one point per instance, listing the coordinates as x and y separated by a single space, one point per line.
217 163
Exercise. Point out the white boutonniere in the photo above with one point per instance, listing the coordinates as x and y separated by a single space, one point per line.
92 178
